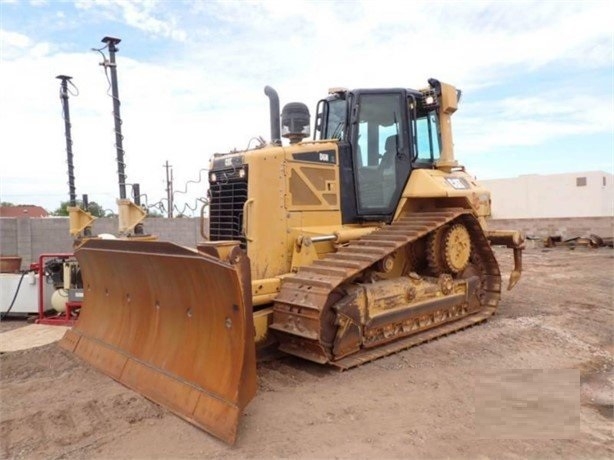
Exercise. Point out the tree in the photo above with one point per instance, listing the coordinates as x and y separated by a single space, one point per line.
94 209
6 204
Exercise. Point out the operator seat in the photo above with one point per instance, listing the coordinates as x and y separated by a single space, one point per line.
390 153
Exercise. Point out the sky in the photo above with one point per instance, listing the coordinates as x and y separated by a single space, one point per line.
537 81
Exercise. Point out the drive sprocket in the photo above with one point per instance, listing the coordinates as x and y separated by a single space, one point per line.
434 251
456 249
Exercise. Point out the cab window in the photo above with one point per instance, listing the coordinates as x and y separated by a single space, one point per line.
427 138
335 123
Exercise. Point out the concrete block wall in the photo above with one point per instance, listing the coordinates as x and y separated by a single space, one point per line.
566 227
8 236
46 236
30 237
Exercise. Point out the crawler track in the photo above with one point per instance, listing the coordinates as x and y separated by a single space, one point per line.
304 319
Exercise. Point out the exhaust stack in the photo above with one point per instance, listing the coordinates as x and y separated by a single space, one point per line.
274 111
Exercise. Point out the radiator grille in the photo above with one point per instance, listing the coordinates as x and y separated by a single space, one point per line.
228 195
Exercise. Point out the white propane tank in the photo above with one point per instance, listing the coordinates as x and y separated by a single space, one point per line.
59 299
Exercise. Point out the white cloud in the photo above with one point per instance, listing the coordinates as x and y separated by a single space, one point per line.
12 44
473 44
139 14
531 121
520 122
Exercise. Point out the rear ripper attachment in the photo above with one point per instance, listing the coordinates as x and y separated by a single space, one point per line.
342 310
173 324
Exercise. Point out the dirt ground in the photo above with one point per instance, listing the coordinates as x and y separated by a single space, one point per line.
535 381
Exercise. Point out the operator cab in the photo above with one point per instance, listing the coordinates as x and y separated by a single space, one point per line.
383 134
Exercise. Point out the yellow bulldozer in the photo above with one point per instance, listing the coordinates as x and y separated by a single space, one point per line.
364 241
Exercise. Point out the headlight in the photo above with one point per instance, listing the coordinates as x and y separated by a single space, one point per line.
213 178
242 173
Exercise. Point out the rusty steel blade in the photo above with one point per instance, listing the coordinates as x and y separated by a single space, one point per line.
172 324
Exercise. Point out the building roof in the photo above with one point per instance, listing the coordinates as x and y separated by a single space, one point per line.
23 210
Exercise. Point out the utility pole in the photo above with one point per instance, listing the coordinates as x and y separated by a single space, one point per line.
169 188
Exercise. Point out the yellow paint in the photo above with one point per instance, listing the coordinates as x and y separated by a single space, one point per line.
130 215
447 106
78 220
286 194
262 319
432 187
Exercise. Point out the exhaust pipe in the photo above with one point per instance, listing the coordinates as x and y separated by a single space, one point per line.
274 110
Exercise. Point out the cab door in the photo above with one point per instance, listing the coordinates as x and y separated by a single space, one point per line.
380 151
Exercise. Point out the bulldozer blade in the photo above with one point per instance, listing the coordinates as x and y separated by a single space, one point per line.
172 324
